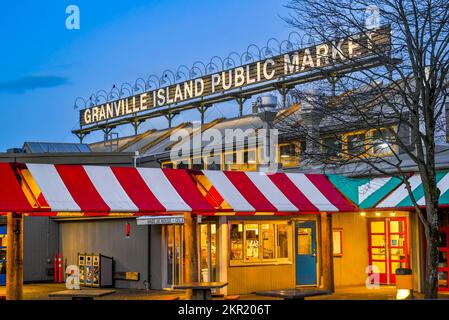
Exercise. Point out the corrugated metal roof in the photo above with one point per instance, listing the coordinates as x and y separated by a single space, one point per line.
51 147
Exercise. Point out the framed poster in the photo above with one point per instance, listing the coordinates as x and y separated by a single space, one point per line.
337 238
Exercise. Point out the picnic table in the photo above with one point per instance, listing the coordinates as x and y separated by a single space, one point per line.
83 294
201 290
294 294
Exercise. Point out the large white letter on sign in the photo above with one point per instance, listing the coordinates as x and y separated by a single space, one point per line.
73 280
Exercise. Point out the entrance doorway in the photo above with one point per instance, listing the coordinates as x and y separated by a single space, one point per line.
306 254
208 252
175 254
388 247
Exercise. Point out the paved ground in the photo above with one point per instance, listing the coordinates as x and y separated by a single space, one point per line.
41 291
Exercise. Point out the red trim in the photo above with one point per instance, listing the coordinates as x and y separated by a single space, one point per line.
137 190
12 198
291 191
249 191
387 258
81 188
330 192
187 189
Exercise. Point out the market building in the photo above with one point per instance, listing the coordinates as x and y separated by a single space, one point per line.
167 216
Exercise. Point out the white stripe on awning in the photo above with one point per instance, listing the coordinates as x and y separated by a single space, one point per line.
228 191
163 190
370 187
53 188
311 192
400 193
443 185
271 192
110 189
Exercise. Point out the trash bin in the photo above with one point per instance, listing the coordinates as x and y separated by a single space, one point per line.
404 283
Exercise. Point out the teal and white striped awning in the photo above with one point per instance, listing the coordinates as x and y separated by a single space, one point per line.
400 198
365 193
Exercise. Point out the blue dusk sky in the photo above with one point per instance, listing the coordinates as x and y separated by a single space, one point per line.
45 66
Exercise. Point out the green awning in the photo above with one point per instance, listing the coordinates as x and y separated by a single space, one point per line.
365 192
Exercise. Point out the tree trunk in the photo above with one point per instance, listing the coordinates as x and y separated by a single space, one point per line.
431 288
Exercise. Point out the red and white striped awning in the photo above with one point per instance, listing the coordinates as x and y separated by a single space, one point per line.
47 189
77 188
12 198
278 193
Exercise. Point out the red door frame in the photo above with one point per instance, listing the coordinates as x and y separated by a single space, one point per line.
444 249
383 277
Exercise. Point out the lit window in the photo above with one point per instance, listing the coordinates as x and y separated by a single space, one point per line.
237 241
356 144
259 242
167 164
288 154
251 242
382 142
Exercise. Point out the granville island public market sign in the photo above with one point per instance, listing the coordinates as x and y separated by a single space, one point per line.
345 50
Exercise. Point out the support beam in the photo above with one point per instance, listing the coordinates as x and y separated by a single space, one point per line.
202 109
81 136
136 125
284 91
169 116
333 79
190 252
241 100
14 257
327 258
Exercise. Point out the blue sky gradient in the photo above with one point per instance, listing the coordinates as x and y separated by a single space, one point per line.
44 66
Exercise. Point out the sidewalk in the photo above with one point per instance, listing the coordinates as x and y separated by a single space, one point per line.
41 291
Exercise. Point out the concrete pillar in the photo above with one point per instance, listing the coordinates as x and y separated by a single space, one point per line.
327 258
14 257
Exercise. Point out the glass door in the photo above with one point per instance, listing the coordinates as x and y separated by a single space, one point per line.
175 254
377 239
208 252
397 246
388 247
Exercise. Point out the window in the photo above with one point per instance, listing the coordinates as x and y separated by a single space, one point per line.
356 144
261 242
167 164
337 242
375 142
183 164
213 161
288 154
236 241
382 142
241 160
268 243
197 164
332 147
